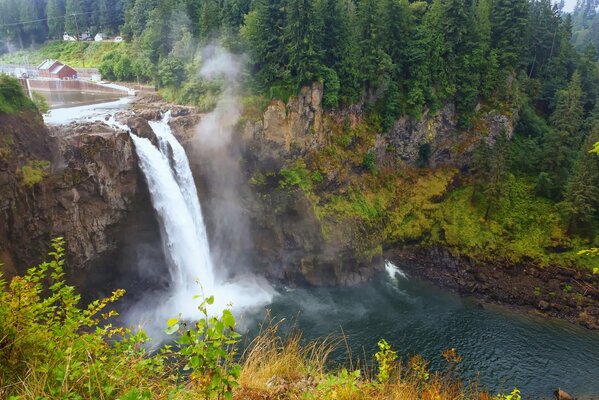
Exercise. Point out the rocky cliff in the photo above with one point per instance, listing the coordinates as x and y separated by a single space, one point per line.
294 238
74 181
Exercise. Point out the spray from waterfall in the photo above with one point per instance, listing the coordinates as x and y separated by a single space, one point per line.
191 265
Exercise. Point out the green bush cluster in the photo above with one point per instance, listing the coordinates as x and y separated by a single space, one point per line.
52 347
12 97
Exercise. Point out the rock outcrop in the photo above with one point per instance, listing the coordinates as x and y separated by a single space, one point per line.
87 178
552 291
435 140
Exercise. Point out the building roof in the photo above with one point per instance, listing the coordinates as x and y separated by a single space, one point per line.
47 64
57 68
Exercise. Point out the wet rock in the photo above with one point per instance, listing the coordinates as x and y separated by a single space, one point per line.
514 286
562 395
140 127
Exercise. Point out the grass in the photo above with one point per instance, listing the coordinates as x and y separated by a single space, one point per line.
12 97
276 367
66 52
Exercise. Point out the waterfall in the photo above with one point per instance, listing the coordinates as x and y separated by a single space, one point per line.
170 146
184 238
174 197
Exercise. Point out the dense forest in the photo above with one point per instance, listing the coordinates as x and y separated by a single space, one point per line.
395 57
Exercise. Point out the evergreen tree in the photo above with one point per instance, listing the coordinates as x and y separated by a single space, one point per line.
561 144
375 65
264 30
75 19
509 20
55 11
581 197
303 41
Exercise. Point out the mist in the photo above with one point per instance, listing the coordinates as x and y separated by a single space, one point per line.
216 156
222 269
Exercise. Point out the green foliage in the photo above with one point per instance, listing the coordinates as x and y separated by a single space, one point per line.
334 384
296 175
67 52
514 395
370 162
385 358
53 348
209 348
34 172
40 102
12 97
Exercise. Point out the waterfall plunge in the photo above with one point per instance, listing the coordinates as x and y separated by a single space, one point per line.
185 241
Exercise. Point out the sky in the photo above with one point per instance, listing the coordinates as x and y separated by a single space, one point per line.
569 5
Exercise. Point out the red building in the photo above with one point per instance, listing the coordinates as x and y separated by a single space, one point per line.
56 70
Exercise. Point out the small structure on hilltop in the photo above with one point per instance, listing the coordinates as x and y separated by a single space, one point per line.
68 38
52 69
99 37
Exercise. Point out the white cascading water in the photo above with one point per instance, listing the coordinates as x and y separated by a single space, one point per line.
172 150
188 258
183 232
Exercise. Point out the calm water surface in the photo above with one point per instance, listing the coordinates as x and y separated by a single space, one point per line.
505 348
58 99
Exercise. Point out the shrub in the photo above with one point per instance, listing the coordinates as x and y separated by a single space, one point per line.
209 348
40 102
34 172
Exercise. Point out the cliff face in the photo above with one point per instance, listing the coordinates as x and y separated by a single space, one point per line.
293 241
76 182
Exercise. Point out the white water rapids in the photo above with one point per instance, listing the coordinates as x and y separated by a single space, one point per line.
184 238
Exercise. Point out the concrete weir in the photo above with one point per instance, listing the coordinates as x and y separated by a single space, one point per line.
48 85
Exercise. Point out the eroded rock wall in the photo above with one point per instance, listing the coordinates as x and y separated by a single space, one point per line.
89 179
291 241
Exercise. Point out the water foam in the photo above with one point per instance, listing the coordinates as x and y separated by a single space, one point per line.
185 241
394 272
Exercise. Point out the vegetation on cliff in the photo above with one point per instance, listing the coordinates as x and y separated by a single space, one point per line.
51 347
12 97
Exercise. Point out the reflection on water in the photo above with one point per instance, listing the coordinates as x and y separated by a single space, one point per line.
59 99
508 349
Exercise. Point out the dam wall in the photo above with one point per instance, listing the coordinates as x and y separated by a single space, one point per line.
47 85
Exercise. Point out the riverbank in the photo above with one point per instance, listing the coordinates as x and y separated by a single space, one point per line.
552 291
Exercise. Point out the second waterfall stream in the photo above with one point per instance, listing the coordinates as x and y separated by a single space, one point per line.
184 238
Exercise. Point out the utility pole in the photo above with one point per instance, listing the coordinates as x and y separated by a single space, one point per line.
79 40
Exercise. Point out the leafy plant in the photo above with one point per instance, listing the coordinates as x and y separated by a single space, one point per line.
334 386
40 102
385 358
209 348
514 395
34 172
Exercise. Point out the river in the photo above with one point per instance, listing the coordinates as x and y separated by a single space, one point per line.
503 348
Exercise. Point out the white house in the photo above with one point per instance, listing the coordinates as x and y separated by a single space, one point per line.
68 38
99 37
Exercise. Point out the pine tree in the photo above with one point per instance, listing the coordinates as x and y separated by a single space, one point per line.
55 11
561 144
581 197
264 30
509 20
303 41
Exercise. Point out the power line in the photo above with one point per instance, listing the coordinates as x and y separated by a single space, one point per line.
44 19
